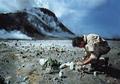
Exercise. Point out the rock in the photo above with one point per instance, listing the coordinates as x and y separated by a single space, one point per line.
30 70
55 78
48 70
42 61
72 65
108 81
21 52
37 54
25 78
95 73
7 79
118 53
2 80
22 82
61 73
64 65
24 56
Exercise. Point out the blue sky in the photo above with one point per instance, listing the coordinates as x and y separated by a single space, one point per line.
80 16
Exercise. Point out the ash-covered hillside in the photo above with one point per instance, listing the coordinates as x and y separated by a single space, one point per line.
34 23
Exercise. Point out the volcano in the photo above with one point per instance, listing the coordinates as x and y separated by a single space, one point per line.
35 23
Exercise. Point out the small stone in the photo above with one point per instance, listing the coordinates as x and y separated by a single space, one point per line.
71 66
25 78
21 52
49 78
24 56
118 53
40 52
115 79
95 73
42 61
15 44
61 74
64 65
108 81
23 83
48 70
2 80
37 54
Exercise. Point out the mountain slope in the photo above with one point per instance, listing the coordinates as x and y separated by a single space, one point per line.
36 23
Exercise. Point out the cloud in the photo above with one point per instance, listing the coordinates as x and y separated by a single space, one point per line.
13 34
61 8
12 6
6 6
65 7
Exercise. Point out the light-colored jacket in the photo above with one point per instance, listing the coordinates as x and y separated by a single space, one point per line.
95 44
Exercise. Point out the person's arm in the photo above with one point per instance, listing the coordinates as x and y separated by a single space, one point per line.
87 55
88 60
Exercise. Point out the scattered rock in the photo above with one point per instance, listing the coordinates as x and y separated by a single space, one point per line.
24 56
118 53
37 54
62 74
16 44
2 80
29 65
21 52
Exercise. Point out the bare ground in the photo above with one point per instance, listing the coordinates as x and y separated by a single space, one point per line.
19 62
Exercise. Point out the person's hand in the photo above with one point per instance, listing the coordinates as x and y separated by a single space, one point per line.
79 63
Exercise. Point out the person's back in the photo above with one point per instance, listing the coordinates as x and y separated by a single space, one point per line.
93 38
96 44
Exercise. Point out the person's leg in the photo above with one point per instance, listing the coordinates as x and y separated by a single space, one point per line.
94 64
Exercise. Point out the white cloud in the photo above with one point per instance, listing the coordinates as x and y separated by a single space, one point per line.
60 7
6 5
13 35
13 5
63 7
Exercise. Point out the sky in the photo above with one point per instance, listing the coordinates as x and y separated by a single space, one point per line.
80 16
